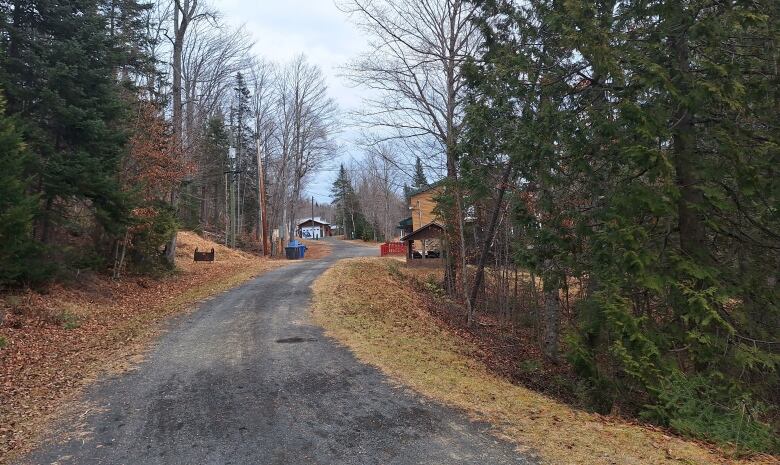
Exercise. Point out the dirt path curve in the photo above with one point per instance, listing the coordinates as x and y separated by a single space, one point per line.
247 379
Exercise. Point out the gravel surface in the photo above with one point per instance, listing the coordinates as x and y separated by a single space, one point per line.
248 379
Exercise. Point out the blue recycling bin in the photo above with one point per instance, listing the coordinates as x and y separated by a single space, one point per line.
295 250
292 253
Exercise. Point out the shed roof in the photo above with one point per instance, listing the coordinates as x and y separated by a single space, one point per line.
428 231
316 219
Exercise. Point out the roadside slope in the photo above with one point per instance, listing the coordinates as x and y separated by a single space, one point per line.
56 343
363 305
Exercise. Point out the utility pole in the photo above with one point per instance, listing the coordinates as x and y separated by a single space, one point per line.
233 211
202 217
227 209
261 200
312 211
230 209
238 169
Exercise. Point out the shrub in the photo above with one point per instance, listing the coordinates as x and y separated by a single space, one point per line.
434 287
395 271
69 320
712 409
73 260
155 225
530 366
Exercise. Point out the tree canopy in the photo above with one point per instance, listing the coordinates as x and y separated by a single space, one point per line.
643 137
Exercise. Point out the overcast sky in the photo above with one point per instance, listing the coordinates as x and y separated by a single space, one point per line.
285 28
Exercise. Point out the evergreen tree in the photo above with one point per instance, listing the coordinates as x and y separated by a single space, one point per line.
127 27
243 186
17 210
214 161
348 211
241 118
66 99
619 120
339 194
418 180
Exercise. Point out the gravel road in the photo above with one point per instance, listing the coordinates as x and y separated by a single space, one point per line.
248 379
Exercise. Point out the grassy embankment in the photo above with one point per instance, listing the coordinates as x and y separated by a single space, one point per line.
394 331
57 342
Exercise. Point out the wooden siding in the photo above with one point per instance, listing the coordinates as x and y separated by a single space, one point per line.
422 206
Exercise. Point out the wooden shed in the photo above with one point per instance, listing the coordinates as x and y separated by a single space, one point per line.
429 252
313 228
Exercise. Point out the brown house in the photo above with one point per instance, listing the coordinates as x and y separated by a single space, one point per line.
424 239
422 204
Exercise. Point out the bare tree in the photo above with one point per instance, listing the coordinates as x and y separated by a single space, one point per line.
262 75
414 67
185 12
308 120
212 56
156 19
379 187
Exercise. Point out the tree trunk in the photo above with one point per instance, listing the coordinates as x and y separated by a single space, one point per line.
202 221
352 215
551 324
551 320
344 218
489 236
119 260
690 203
180 22
227 210
262 212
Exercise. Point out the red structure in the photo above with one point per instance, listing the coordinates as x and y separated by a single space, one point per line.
392 248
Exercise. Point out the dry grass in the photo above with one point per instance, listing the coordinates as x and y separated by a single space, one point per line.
316 249
60 341
393 331
422 274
